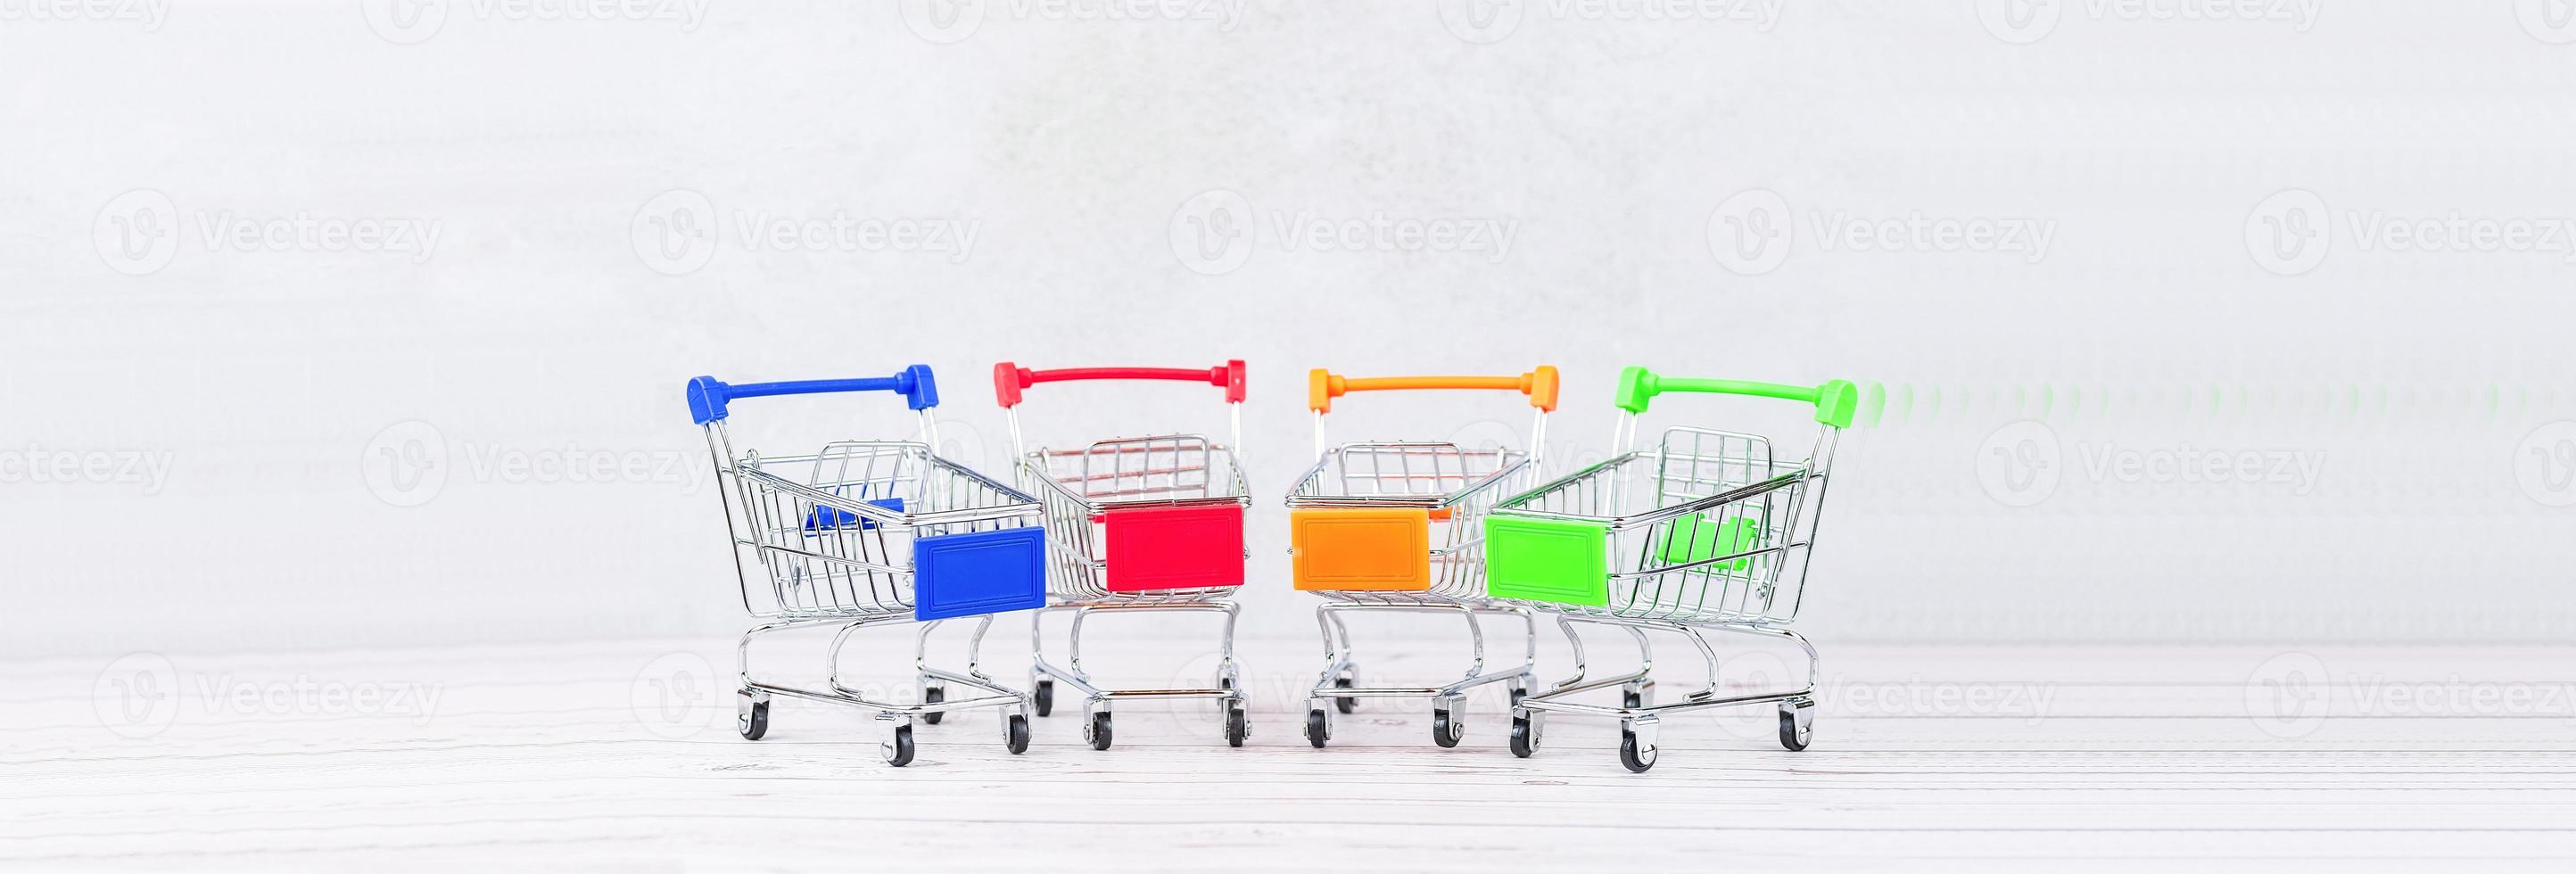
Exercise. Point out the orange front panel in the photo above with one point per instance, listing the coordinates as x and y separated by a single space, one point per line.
1361 550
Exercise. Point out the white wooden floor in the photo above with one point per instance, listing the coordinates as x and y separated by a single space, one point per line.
623 756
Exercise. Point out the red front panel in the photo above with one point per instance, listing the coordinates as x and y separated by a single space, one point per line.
1155 548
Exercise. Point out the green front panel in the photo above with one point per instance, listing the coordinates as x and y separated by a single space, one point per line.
1547 560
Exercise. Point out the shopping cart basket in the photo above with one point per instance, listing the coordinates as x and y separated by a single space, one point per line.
1398 526
1706 532
1136 525
864 534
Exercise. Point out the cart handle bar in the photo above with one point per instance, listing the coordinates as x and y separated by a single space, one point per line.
1322 386
1835 400
1009 379
708 396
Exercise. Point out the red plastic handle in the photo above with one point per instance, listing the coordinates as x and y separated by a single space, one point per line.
1009 379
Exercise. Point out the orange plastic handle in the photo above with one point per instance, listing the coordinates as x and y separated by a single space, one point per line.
1322 386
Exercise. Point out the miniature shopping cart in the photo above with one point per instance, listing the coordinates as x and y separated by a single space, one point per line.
1706 532
1398 526
1136 525
864 534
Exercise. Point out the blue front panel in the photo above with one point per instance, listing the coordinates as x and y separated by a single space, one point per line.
973 574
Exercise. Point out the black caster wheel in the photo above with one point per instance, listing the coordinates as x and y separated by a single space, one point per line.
1098 731
1445 730
899 753
1319 728
1237 726
933 695
752 717
1793 738
1630 754
1524 736
1345 705
1015 733
1045 693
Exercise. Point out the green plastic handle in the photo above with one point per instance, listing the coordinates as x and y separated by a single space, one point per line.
1835 400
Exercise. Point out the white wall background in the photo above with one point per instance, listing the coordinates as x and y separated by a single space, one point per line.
2179 308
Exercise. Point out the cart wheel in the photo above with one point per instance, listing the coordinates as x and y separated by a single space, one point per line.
752 716
1237 726
899 753
1446 731
1098 731
1319 728
933 694
1015 733
1046 697
1637 760
1524 735
1345 705
1795 733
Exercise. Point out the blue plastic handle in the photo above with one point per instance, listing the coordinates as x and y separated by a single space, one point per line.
709 395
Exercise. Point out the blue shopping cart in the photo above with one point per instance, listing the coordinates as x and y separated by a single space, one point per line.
862 534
